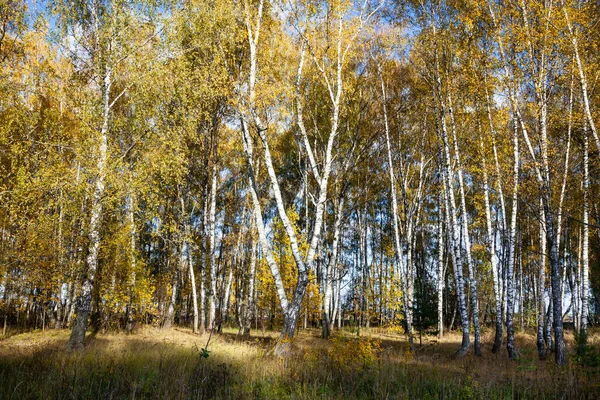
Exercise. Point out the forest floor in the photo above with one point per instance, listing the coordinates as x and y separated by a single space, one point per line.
168 364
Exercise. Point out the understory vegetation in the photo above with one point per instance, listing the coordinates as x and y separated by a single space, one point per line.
169 363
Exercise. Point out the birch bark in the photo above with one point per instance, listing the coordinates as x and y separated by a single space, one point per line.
510 290
491 245
465 232
541 287
585 262
395 219
212 299
84 300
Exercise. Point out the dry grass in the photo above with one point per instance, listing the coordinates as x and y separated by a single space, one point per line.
157 363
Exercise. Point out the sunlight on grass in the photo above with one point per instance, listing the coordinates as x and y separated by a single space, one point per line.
166 364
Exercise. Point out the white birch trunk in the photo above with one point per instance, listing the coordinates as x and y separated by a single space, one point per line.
395 220
510 290
194 292
491 245
541 287
582 76
226 297
448 183
440 282
564 186
585 262
168 322
84 300
542 172
465 231
212 298
264 243
332 265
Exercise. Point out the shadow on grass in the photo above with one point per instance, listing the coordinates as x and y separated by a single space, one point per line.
265 342
135 369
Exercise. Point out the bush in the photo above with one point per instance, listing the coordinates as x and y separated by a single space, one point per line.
356 353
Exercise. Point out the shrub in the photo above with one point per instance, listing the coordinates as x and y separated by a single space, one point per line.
356 353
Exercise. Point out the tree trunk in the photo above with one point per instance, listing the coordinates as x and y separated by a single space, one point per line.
194 293
174 292
202 310
84 301
132 264
212 299
510 290
250 306
395 219
465 231
582 77
332 265
585 245
541 287
448 183
226 294
491 245
440 282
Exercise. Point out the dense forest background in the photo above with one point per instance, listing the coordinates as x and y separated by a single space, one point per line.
415 165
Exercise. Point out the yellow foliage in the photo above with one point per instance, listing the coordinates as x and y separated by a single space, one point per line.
354 353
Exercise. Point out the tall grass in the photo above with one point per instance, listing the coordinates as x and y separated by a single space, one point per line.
155 364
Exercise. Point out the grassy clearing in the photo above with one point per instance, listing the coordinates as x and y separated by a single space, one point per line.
156 363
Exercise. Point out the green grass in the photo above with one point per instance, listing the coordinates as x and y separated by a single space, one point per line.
155 364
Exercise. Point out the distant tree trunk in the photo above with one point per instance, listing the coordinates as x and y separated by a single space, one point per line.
75 259
226 295
6 308
521 304
575 284
338 305
250 306
362 265
132 263
335 296
331 266
168 322
72 300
